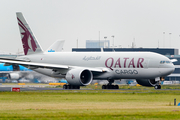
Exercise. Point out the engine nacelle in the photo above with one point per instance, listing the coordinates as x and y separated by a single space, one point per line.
147 82
14 76
79 77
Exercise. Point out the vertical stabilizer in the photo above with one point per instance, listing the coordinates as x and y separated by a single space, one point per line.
30 44
56 46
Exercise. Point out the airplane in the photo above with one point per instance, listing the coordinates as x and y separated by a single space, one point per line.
56 46
12 72
80 68
18 73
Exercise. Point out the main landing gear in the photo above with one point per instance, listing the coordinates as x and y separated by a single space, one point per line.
110 86
157 87
70 87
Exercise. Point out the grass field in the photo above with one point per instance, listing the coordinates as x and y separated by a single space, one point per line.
141 103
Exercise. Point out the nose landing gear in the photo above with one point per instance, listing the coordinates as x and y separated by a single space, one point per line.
157 87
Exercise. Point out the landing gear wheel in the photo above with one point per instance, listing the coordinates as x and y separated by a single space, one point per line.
64 86
104 87
157 87
70 87
110 87
116 87
76 87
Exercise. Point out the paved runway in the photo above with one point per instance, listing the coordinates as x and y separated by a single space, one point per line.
44 87
27 87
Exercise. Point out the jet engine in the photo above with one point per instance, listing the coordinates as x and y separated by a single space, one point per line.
13 76
79 77
147 82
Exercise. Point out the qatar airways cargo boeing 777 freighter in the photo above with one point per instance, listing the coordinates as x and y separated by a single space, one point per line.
79 69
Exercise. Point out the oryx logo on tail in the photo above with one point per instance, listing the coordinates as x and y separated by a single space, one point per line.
27 39
29 42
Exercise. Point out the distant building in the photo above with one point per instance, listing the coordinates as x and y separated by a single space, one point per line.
175 76
163 51
9 55
97 44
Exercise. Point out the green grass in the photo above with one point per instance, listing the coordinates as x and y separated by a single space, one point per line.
142 103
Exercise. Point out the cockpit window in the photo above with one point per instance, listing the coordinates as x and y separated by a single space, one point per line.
163 62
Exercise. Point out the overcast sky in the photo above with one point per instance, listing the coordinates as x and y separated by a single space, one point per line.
142 21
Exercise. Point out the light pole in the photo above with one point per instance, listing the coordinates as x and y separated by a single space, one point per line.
105 37
77 42
99 39
164 39
170 39
113 40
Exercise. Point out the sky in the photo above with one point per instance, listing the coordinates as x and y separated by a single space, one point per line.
148 23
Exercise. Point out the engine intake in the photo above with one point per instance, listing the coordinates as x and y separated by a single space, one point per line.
79 77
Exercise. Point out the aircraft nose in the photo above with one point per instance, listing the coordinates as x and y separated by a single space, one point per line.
168 69
173 68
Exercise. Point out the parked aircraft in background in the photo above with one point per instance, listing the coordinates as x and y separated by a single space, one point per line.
63 81
79 69
13 72
18 73
56 46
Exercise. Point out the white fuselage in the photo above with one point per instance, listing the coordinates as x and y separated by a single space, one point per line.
119 65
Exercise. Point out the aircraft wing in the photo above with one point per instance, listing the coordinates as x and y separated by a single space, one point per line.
34 65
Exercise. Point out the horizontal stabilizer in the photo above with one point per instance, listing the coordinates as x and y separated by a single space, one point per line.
174 60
